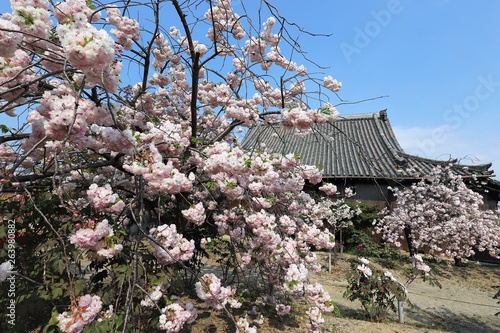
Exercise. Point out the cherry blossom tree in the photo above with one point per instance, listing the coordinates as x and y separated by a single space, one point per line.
125 163
443 216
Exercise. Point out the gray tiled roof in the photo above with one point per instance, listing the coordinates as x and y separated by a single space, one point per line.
353 146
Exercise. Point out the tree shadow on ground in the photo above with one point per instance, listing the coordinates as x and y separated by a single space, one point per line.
349 312
436 319
447 320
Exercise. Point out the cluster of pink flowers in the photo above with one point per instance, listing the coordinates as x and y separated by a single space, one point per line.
166 178
127 29
58 117
195 214
161 177
332 214
267 35
120 141
243 326
15 71
7 154
296 276
319 296
319 238
173 138
255 49
9 38
103 199
367 272
263 233
332 84
75 10
223 21
420 265
90 50
210 290
244 110
163 53
445 216
84 313
316 320
84 45
297 117
97 238
169 246
173 317
311 173
33 19
152 297
328 189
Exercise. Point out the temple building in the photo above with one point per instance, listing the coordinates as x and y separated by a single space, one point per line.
361 152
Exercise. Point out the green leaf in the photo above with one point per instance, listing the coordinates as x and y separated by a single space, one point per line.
28 18
4 128
59 265
119 321
80 286
51 326
91 5
57 292
271 200
231 185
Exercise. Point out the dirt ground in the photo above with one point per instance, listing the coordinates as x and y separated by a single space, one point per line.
465 304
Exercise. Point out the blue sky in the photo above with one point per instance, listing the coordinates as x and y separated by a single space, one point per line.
437 61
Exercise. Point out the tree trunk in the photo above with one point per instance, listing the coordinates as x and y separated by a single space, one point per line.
409 240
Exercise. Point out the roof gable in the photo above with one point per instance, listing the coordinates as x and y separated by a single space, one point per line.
354 146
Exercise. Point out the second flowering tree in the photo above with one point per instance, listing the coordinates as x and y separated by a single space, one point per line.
444 216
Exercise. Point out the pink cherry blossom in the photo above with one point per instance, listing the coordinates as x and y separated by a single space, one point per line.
88 49
84 313
195 214
15 71
9 38
328 188
243 326
444 215
332 84
174 317
316 319
364 261
33 19
6 270
169 246
69 10
214 294
367 272
95 238
152 297
104 199
127 29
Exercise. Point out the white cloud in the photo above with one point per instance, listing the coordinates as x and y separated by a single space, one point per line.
443 142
